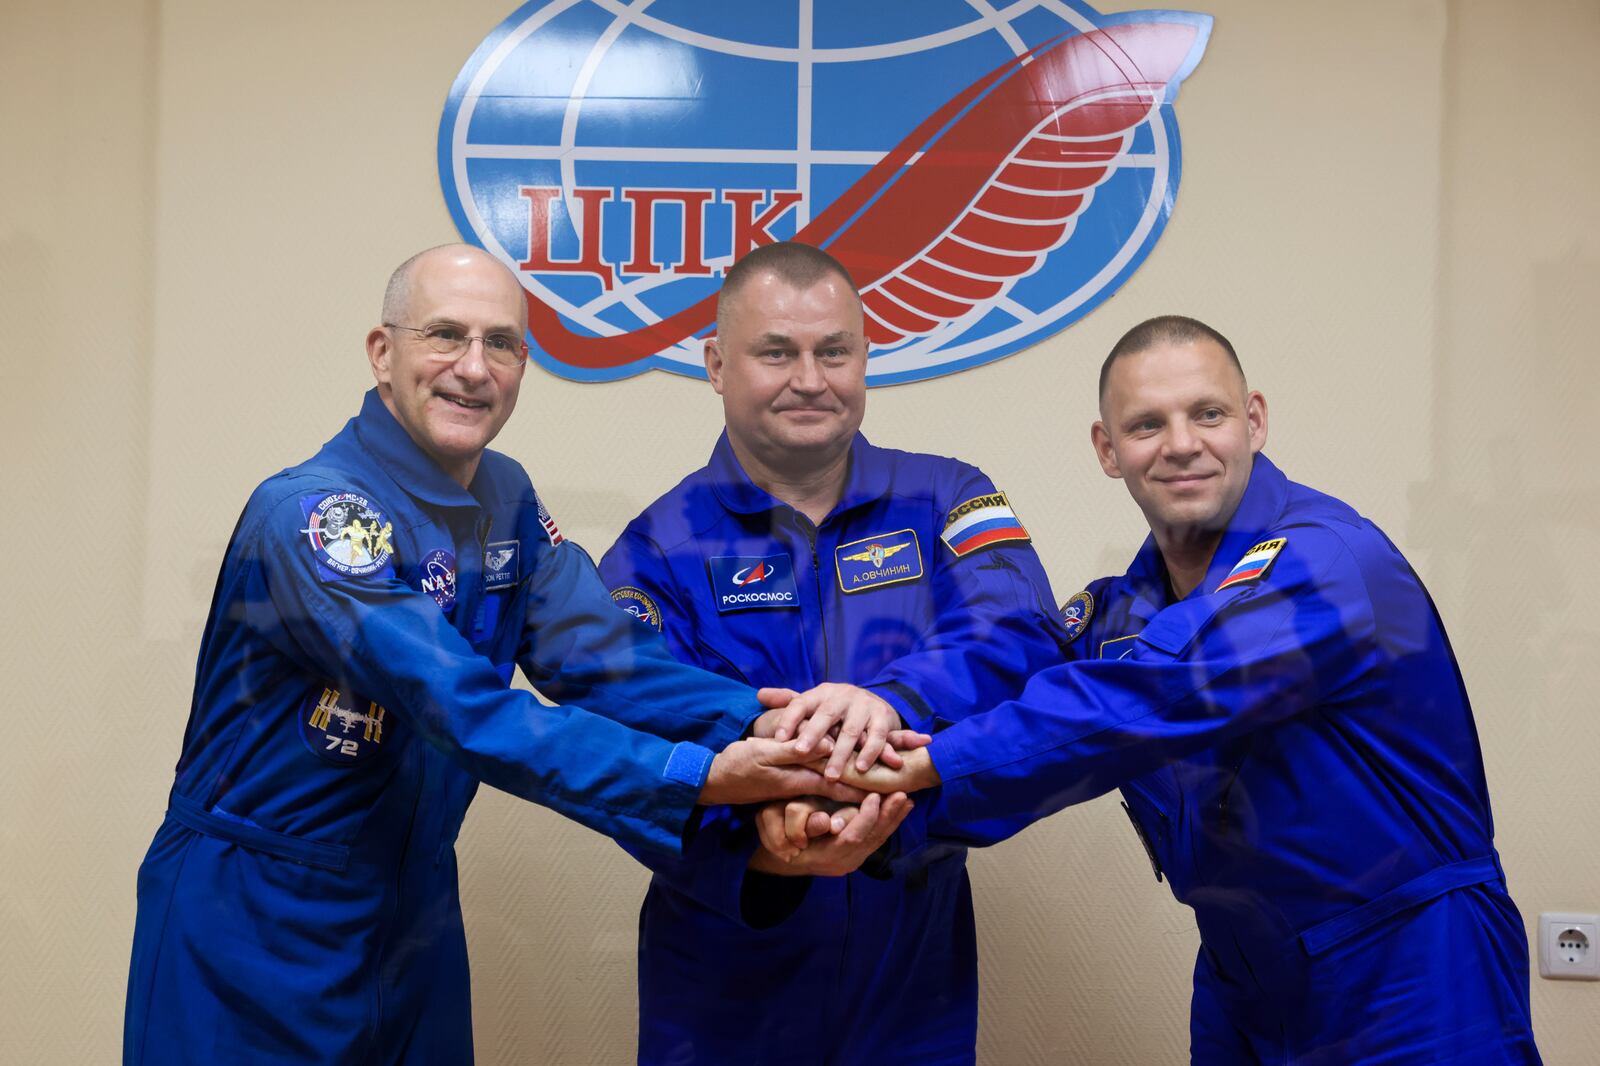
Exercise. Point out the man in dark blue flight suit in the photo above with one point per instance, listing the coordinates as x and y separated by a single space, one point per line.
801 555
1272 687
299 902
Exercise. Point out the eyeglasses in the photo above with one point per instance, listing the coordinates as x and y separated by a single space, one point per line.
501 349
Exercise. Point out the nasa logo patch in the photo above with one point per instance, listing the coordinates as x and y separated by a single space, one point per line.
500 564
337 732
1075 614
987 173
439 577
873 562
637 602
348 534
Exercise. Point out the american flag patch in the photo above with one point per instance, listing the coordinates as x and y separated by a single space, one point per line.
981 521
1255 563
548 523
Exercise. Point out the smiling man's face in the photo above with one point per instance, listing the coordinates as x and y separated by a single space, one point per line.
791 367
451 406
1180 427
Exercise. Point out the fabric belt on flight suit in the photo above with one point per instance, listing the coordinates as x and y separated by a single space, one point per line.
1434 883
190 813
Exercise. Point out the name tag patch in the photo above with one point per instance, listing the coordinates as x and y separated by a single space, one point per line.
1117 647
872 562
1255 564
743 582
501 560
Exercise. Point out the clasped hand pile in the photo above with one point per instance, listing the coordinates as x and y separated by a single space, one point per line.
822 812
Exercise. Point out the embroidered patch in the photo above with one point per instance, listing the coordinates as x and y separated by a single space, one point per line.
501 559
638 603
1255 564
981 521
547 522
740 582
439 577
1117 647
1075 614
337 732
884 559
348 534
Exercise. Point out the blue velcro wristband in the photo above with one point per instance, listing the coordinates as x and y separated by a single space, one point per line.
688 764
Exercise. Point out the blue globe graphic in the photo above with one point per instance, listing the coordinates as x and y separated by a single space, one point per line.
615 155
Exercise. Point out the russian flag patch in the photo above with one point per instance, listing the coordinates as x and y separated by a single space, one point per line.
1255 564
980 522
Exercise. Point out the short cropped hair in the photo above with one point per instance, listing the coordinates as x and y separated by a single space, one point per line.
796 264
1164 329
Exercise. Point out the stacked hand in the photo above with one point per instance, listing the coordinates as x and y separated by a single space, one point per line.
834 829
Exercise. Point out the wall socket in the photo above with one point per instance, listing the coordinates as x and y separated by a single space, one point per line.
1569 947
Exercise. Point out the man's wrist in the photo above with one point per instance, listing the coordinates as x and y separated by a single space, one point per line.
763 861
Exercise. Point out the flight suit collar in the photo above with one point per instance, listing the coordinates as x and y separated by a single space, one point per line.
868 479
1258 511
1146 583
387 441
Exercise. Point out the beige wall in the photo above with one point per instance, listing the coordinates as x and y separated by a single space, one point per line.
1389 204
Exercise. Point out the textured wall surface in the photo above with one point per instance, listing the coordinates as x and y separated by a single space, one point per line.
1389 206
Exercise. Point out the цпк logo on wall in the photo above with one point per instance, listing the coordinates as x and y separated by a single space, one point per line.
987 173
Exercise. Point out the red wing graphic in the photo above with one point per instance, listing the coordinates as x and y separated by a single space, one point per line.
971 200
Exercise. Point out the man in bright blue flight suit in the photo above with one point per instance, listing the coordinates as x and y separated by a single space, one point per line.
299 902
799 555
1272 687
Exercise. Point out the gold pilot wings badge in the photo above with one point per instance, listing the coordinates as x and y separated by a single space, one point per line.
882 559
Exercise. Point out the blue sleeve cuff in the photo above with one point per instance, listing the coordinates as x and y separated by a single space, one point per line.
913 712
689 764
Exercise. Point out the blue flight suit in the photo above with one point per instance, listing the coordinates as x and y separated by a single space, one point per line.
299 902
737 966
1297 753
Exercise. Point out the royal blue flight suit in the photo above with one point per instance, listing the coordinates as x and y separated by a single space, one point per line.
1297 753
299 902
741 967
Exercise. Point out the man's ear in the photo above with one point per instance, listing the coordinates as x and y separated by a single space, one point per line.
380 346
1101 439
713 354
1255 412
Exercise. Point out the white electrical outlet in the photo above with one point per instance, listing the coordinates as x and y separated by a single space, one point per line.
1569 947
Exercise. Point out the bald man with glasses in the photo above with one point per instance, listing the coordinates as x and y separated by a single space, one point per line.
299 902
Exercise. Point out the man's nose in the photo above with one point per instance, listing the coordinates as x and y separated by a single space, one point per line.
471 365
807 375
1181 441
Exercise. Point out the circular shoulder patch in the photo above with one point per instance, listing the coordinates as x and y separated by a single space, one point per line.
348 534
1075 614
638 603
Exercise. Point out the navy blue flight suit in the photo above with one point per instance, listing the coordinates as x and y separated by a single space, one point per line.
1296 750
741 967
299 902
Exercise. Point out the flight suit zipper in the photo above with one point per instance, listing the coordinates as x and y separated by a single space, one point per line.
806 527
